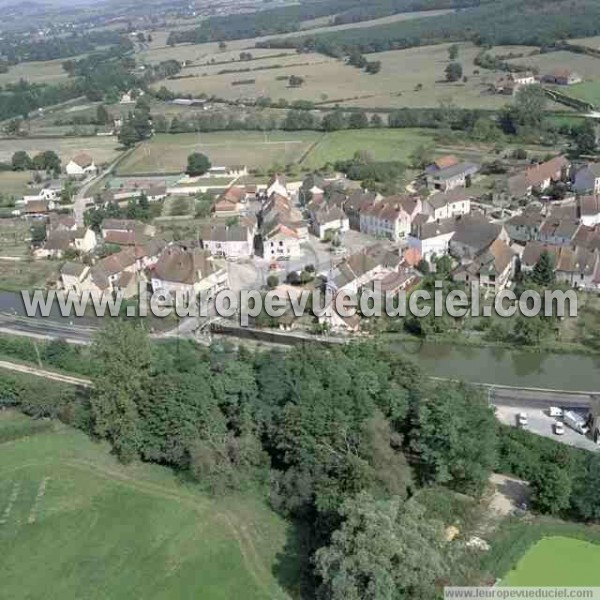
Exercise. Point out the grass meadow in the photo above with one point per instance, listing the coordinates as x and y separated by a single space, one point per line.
14 183
168 153
102 149
331 81
587 90
50 71
557 561
587 66
75 523
381 144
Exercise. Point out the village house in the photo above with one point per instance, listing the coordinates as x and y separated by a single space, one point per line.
328 219
46 193
539 177
187 273
510 84
355 272
230 203
281 242
312 188
156 192
525 226
72 275
432 239
589 210
532 252
131 96
228 241
37 208
279 211
473 235
147 253
492 269
81 240
232 171
81 165
126 232
58 222
587 237
561 76
577 266
114 274
447 173
392 218
277 185
587 179
445 205
356 203
557 230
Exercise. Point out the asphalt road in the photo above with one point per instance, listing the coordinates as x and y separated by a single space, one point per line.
45 329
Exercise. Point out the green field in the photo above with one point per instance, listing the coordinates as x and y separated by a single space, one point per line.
49 71
76 524
168 153
557 561
14 238
102 149
381 144
587 66
588 91
413 77
14 183
327 80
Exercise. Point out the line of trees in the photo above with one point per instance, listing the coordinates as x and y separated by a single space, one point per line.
340 440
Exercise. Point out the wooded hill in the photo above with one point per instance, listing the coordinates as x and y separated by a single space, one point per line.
506 22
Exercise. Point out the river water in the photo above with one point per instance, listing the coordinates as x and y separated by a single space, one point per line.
504 366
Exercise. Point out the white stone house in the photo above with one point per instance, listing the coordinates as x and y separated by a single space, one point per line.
391 219
228 242
281 242
433 238
81 165
445 205
329 219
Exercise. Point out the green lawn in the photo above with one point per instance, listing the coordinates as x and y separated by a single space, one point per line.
76 524
14 183
557 561
382 144
15 236
588 91
167 153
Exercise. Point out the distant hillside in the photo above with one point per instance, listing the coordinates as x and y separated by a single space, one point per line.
288 18
504 22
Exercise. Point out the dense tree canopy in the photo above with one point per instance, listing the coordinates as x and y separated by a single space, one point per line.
197 164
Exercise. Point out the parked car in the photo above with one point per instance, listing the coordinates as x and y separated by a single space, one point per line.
555 411
559 428
522 420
